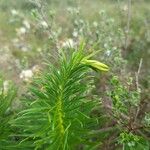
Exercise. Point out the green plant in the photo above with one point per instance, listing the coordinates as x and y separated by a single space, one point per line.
132 131
61 109
58 112
7 94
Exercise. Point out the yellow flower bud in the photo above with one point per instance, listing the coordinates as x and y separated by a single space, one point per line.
95 64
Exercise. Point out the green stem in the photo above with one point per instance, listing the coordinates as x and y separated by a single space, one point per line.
60 116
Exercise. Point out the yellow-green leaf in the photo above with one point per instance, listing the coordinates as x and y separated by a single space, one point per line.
95 64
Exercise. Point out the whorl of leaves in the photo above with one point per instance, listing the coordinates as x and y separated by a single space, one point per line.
58 113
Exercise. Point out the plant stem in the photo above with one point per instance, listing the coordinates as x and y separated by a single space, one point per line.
128 25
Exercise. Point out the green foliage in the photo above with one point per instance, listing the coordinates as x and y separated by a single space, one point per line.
133 142
133 131
128 138
58 115
123 96
7 94
61 108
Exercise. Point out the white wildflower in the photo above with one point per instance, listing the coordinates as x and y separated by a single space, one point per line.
108 52
39 49
26 24
105 45
21 31
6 86
44 24
95 24
125 8
14 12
75 34
24 48
26 75
114 48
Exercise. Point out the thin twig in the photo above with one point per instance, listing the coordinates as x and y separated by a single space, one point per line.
138 73
128 24
103 130
125 117
137 86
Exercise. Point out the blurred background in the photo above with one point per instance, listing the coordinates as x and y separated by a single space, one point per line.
31 29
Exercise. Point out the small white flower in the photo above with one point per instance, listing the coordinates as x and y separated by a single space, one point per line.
24 48
21 31
95 24
125 8
114 48
39 49
26 75
14 12
44 24
105 45
26 24
75 34
5 86
108 52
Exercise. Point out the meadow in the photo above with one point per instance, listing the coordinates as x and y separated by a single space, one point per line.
74 75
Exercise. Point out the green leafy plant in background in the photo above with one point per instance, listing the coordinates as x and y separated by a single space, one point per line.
7 94
132 131
58 112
